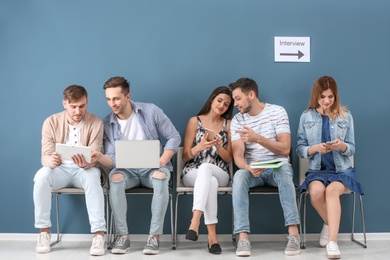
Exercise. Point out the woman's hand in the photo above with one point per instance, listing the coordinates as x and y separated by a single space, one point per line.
337 145
204 144
321 148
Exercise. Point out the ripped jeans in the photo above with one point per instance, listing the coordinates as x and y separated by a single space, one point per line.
134 178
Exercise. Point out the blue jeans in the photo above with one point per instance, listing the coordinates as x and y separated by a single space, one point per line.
65 176
134 178
281 177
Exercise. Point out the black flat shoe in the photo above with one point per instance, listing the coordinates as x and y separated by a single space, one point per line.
215 248
191 235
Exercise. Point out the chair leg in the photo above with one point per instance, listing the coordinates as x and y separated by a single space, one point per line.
109 234
364 244
175 229
57 222
172 224
303 246
234 236
304 194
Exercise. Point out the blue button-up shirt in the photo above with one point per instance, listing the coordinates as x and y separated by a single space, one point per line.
310 133
154 123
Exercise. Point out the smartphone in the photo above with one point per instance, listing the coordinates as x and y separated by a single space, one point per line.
330 142
211 134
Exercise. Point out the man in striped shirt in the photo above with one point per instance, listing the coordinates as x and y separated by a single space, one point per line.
261 132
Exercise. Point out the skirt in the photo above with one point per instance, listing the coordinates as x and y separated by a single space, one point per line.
346 177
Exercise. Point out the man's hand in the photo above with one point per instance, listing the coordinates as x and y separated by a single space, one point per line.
55 159
95 156
256 172
79 160
248 135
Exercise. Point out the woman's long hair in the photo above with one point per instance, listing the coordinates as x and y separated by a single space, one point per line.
322 84
207 106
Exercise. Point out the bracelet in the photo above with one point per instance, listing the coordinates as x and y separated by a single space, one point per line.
193 156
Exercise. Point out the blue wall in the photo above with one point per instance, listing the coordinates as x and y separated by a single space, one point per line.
174 53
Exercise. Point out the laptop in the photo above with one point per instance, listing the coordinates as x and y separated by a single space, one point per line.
137 153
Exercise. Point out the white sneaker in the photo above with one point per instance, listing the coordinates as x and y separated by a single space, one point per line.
97 247
324 236
332 250
43 245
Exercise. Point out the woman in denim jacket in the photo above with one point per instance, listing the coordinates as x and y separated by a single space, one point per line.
326 138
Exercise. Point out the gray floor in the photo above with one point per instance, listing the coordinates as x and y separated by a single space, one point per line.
75 250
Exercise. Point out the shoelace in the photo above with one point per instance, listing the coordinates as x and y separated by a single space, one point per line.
152 241
244 242
120 241
43 239
332 247
97 242
294 240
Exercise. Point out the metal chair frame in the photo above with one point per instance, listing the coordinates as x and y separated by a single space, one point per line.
184 190
76 191
147 191
303 167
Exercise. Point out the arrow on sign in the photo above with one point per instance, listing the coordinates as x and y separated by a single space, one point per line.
299 54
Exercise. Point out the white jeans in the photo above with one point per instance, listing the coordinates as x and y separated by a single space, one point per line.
47 179
206 180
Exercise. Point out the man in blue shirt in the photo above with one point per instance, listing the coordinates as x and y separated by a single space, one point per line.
136 121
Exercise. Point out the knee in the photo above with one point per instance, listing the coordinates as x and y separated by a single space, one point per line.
43 174
331 192
316 194
116 177
204 168
239 179
159 175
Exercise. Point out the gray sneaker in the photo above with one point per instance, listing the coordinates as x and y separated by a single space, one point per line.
293 246
243 247
152 246
121 245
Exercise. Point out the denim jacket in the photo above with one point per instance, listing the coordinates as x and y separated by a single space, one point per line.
154 123
310 132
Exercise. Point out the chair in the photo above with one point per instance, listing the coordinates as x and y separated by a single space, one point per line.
148 191
268 190
75 191
184 190
303 167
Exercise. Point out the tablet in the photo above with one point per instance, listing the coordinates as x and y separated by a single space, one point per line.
268 164
66 151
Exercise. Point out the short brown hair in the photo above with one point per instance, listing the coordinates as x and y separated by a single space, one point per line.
117 81
246 85
74 93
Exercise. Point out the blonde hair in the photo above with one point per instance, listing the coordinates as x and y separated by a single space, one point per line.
320 85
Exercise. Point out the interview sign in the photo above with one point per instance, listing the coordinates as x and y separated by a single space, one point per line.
292 49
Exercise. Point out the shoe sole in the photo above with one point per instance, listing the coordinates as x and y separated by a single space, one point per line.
119 251
40 251
151 252
243 253
291 253
97 253
334 256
